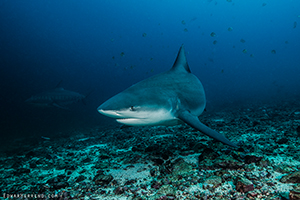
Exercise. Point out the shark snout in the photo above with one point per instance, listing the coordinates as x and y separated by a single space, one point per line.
109 113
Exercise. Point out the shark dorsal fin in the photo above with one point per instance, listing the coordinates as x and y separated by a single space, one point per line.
180 63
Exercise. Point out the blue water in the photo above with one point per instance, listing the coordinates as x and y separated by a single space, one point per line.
105 46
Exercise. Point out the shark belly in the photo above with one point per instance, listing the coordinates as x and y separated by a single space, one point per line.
160 117
141 122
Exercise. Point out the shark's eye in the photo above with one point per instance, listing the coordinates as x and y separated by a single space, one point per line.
132 108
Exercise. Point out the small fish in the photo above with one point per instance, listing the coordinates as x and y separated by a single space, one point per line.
264 4
242 41
144 34
295 25
185 30
122 54
213 34
183 22
193 19
45 138
244 51
215 42
230 29
273 51
252 55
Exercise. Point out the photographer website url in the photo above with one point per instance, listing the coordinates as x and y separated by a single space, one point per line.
36 196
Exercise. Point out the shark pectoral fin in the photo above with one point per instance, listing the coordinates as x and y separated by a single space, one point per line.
58 106
194 122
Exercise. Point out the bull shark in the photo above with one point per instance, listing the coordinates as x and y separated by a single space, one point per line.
169 98
57 97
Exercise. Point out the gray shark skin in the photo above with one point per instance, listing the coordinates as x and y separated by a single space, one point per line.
169 98
57 97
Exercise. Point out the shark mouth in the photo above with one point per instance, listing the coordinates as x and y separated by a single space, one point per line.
118 116
131 121
129 118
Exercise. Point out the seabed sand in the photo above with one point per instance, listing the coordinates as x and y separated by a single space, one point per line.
166 162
